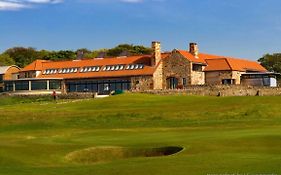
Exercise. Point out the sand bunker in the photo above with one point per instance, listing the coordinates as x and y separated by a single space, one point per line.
105 154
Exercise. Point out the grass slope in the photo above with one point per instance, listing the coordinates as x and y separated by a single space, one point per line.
220 135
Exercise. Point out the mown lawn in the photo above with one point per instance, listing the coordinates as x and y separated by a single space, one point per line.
219 135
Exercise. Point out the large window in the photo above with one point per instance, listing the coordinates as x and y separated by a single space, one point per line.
55 84
9 86
228 81
38 85
98 86
172 83
22 85
184 82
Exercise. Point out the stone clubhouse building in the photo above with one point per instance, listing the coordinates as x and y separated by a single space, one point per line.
170 70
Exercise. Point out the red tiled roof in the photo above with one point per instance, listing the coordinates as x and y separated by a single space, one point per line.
142 59
35 65
191 57
219 64
245 65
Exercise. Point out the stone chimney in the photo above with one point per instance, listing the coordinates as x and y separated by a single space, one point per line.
194 50
80 55
156 53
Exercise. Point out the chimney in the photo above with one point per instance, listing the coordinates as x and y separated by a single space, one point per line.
156 53
80 55
193 49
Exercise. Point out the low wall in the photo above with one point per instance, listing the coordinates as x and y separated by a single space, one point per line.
37 94
222 90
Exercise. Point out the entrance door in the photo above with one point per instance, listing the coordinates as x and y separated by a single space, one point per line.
172 83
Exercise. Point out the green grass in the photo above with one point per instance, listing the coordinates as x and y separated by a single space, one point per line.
220 135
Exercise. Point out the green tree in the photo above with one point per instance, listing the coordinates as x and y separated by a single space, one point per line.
129 49
6 60
43 54
61 55
272 62
21 55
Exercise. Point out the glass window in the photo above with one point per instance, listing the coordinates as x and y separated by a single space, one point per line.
54 84
197 67
8 86
137 66
38 85
184 83
22 85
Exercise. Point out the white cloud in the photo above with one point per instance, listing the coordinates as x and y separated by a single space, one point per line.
6 5
12 5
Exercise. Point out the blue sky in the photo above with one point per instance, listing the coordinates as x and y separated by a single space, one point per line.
238 28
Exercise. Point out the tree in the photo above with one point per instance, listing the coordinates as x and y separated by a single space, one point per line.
6 60
22 56
43 54
272 62
130 49
61 55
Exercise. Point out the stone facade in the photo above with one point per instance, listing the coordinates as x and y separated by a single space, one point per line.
158 77
141 83
156 61
197 77
216 77
176 66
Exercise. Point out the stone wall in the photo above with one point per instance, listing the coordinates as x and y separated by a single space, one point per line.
221 90
141 83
